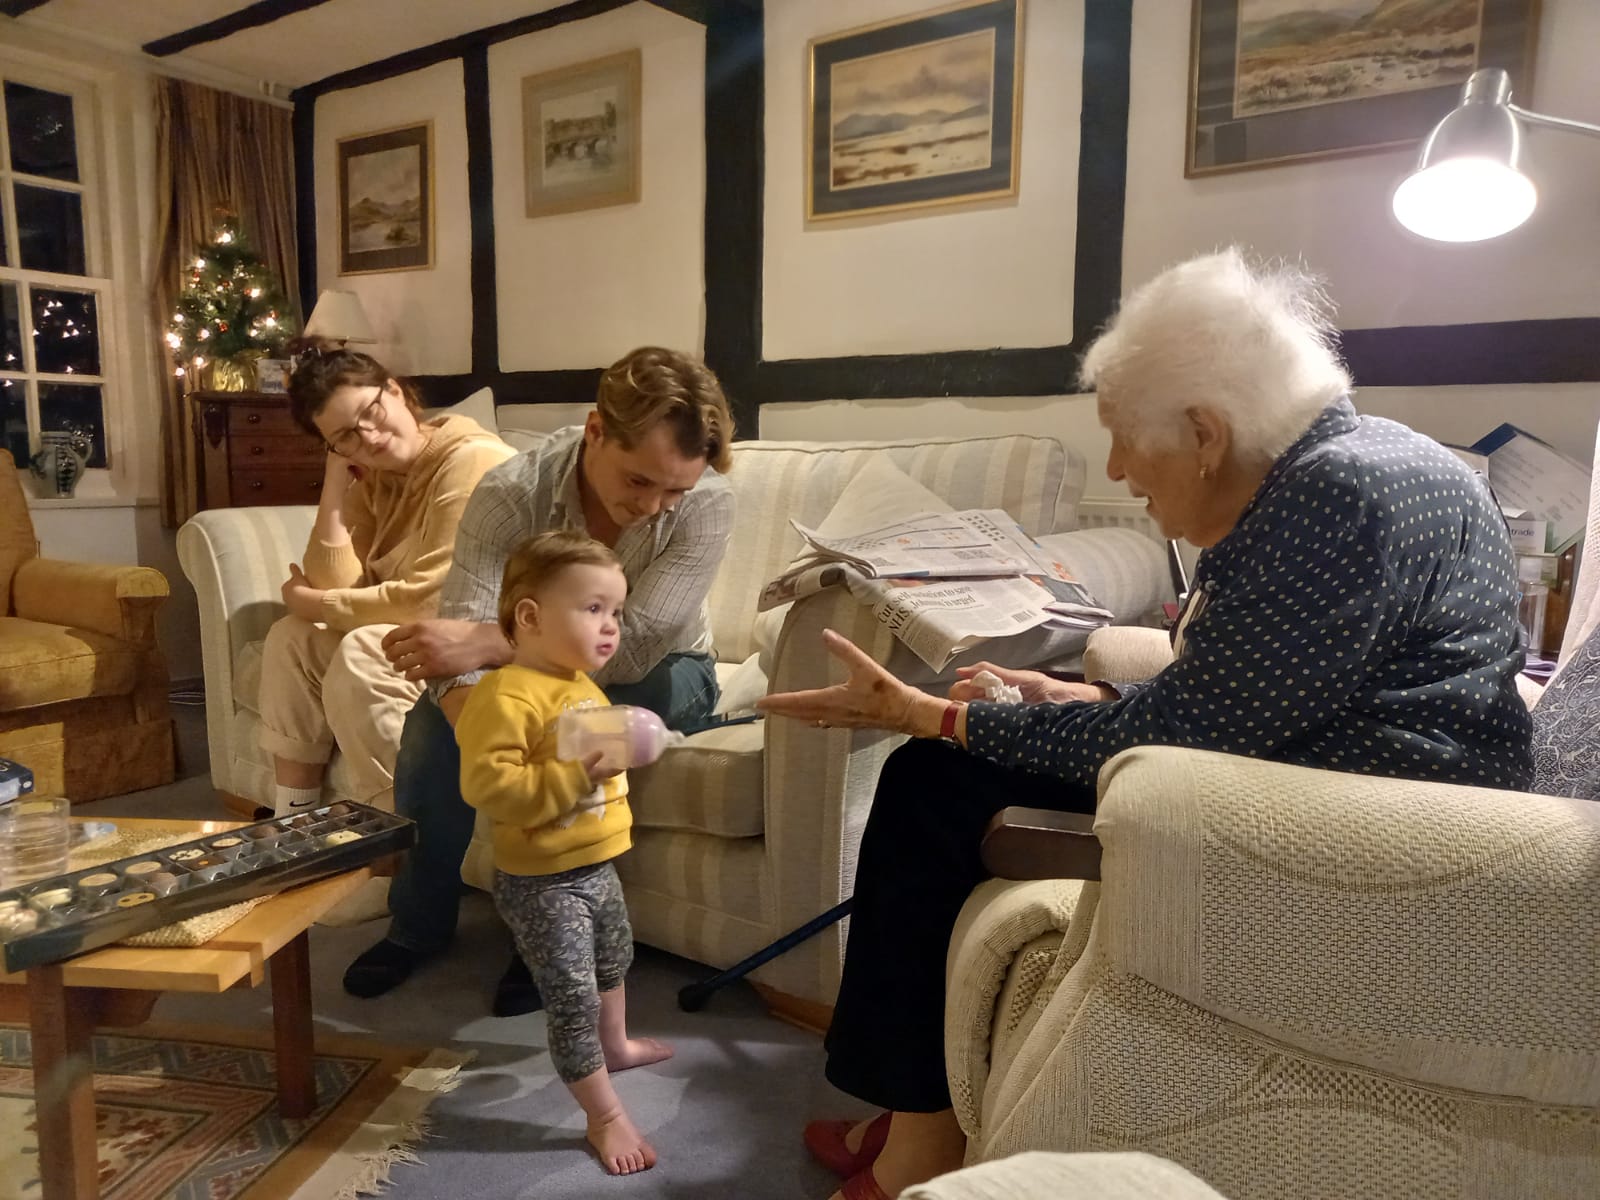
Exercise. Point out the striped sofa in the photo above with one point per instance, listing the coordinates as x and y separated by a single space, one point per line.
745 832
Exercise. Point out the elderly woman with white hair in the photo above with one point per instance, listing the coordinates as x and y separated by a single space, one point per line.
1355 608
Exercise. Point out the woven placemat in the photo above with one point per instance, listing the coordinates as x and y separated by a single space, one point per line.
187 933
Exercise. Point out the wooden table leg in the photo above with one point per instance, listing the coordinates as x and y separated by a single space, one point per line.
63 1085
290 968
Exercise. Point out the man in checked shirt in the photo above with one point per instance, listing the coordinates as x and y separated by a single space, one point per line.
643 475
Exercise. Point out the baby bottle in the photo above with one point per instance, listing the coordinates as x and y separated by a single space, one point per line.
626 736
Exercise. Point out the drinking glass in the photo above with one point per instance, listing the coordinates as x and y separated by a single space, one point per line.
34 836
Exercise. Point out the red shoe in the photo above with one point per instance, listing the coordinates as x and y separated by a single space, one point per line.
863 1185
825 1140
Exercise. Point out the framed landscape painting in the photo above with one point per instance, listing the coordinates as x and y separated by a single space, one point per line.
918 111
386 200
580 130
1277 80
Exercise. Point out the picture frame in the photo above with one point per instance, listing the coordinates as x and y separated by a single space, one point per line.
272 375
915 112
1268 86
386 210
581 138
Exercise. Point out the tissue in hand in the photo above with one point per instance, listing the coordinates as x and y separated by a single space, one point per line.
625 735
997 691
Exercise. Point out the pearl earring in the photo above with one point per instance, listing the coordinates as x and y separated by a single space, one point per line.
1205 471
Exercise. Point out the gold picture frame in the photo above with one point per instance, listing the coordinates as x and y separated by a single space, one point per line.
581 135
386 212
915 112
1268 87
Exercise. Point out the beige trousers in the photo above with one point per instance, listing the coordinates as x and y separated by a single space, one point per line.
321 688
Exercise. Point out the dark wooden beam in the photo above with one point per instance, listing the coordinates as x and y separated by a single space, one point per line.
456 47
1559 350
262 12
15 8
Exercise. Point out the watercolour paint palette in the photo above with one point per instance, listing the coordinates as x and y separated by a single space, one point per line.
55 918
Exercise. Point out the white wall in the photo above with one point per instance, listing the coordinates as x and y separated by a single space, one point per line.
580 289
575 289
995 274
423 318
1334 213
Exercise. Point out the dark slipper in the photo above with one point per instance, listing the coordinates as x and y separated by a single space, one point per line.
516 993
825 1140
379 969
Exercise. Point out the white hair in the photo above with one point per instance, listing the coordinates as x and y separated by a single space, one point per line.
1252 341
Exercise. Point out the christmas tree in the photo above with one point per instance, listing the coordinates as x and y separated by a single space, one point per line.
230 305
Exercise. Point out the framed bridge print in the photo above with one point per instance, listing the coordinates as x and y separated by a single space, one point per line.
580 131
1271 81
918 111
386 200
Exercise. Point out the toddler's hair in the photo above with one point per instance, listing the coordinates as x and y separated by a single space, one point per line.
540 559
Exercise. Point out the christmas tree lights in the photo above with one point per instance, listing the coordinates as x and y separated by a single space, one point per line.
230 305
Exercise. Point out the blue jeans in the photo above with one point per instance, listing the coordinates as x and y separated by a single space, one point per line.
425 894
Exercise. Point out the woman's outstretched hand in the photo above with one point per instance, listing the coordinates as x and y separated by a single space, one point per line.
1035 688
870 698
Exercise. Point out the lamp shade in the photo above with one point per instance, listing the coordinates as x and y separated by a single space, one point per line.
1468 184
339 317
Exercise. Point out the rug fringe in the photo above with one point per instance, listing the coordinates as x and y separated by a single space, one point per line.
390 1135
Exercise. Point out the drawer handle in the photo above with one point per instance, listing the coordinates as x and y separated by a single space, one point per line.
314 484
258 449
256 485
253 418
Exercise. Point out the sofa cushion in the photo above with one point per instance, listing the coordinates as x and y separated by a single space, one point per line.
17 543
46 664
713 783
1035 479
699 872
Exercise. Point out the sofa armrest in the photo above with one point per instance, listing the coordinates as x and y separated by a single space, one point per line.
1378 921
118 601
1126 654
237 560
1039 843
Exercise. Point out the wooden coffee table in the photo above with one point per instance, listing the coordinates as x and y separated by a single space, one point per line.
118 986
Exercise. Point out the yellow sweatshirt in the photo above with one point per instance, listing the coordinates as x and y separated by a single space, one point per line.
546 817
403 530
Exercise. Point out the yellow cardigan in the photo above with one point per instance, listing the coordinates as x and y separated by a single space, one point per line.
403 530
546 818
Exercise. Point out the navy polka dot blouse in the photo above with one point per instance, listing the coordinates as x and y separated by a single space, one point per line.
1361 616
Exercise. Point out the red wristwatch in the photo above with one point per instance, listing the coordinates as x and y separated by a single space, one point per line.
947 723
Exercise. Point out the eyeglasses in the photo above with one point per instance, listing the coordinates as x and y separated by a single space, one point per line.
347 441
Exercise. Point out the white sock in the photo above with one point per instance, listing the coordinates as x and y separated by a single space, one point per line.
286 800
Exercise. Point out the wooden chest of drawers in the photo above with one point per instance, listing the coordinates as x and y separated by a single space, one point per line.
248 450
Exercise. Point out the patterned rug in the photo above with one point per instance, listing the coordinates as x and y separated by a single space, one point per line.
192 1114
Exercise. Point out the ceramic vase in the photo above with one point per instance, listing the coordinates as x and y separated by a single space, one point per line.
63 457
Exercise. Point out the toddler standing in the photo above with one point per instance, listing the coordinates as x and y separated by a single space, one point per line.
557 825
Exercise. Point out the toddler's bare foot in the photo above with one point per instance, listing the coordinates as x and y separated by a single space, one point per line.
621 1147
637 1052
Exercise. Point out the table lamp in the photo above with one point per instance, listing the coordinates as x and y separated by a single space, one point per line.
339 317
1467 186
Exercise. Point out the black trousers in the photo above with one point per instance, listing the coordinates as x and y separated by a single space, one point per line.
918 863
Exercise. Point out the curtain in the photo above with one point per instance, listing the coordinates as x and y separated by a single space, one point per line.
213 150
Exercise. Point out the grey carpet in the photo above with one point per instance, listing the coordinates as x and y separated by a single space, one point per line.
725 1114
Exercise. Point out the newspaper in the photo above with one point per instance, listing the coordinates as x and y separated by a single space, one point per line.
943 583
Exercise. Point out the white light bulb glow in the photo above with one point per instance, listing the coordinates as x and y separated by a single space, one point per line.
1464 200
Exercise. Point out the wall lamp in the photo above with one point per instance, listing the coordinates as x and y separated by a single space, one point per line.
1468 185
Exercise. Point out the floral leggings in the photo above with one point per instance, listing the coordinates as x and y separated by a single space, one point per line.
572 930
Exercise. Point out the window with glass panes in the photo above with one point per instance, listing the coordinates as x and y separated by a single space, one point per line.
52 297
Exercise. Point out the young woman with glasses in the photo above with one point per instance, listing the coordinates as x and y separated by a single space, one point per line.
393 492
